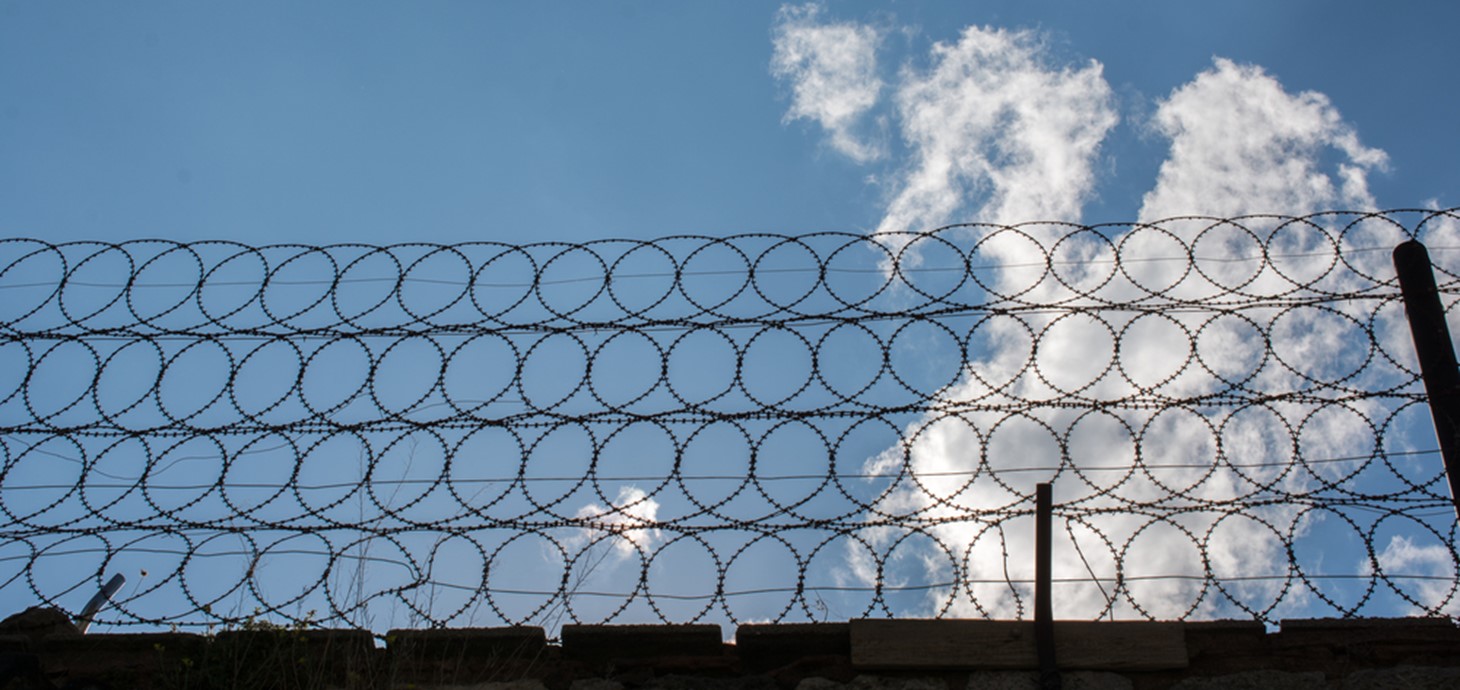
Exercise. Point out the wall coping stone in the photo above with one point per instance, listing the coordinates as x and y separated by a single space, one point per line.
430 641
766 646
602 643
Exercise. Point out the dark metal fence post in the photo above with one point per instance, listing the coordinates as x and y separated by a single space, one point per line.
1435 351
1049 675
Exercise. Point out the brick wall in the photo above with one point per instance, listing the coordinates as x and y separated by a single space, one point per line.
866 655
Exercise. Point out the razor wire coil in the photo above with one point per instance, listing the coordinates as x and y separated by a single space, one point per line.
755 427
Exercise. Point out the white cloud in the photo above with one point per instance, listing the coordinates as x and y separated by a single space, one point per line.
832 68
629 519
1402 557
1001 137
1242 144
997 133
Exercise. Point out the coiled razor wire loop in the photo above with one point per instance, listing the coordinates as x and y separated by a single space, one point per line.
699 429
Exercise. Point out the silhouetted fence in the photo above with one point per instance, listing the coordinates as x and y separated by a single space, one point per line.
748 428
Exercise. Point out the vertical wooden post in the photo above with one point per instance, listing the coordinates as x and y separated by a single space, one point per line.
1435 351
1049 675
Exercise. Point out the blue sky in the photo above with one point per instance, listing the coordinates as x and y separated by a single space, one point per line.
388 123
453 121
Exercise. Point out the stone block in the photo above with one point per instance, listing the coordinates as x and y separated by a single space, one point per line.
596 684
875 682
1407 677
1256 680
679 682
1029 680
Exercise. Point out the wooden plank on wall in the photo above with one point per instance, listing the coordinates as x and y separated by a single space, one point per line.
965 644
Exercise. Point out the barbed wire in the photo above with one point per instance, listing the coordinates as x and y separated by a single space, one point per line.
756 427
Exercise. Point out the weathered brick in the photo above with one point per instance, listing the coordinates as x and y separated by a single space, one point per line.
286 656
770 646
468 655
468 642
1226 646
1307 631
1339 646
978 644
139 657
1359 653
637 641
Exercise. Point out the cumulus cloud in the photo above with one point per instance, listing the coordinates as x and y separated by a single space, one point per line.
998 135
629 519
832 70
1240 144
997 132
1402 556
